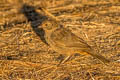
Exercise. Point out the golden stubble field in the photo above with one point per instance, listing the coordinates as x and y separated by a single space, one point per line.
25 55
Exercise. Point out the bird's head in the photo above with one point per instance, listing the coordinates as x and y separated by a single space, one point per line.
49 25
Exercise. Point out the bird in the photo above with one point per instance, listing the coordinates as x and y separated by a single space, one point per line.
63 41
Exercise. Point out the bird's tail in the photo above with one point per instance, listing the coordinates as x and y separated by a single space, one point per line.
100 57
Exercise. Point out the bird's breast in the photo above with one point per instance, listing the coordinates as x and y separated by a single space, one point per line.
54 43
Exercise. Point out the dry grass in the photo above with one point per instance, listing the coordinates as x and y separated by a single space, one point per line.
25 55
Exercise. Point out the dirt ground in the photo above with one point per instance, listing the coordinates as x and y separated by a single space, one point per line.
25 55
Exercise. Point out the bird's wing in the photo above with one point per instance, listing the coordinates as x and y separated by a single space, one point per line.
64 37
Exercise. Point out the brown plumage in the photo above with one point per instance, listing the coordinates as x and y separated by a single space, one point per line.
63 41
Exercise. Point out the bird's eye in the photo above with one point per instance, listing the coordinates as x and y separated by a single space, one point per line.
48 26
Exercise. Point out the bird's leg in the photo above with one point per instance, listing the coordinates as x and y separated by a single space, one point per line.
65 60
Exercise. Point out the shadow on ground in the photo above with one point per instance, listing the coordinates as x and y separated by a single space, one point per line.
36 20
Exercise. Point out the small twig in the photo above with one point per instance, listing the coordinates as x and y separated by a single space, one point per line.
91 76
